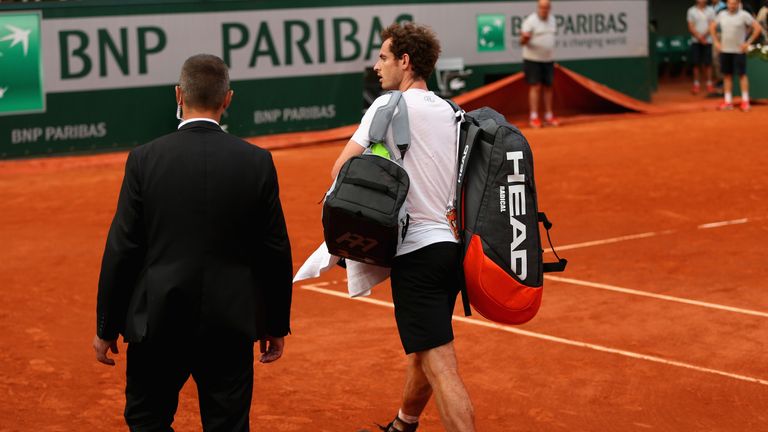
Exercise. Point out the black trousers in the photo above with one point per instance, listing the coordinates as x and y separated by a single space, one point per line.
156 372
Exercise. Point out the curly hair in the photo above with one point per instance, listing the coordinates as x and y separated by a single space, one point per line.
419 42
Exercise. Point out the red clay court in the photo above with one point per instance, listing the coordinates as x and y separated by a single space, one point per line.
660 322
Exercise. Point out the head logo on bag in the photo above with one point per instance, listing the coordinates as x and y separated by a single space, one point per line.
516 187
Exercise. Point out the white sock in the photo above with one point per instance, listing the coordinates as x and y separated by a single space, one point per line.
405 418
534 115
728 98
709 82
548 116
745 97
695 82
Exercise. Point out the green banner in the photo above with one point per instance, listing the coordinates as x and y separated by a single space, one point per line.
21 65
100 74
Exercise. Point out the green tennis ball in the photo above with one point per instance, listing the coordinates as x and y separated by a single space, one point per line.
380 149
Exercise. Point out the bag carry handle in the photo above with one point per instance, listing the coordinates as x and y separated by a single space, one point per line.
370 185
551 267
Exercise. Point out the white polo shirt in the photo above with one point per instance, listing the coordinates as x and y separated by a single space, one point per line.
734 29
541 46
701 19
430 163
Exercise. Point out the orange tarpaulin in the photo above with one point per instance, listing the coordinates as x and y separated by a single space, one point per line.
574 94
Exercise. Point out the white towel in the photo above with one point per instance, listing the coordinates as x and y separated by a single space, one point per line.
361 277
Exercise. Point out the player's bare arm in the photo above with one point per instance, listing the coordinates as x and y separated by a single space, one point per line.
350 150
525 38
713 33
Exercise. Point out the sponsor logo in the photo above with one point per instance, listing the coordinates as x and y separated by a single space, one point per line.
292 114
356 241
516 203
490 32
21 80
58 133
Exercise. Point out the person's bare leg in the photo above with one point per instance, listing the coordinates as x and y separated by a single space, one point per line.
695 71
728 88
417 389
744 84
548 100
453 403
533 99
708 74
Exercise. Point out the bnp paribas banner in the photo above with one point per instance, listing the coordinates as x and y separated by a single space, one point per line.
73 84
21 64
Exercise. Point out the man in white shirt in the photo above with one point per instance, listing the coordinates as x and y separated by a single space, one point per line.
699 17
538 41
733 42
426 270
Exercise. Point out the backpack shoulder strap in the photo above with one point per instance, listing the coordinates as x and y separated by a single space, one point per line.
386 115
454 105
467 134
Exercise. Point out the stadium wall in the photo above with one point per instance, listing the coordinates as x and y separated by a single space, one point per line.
98 75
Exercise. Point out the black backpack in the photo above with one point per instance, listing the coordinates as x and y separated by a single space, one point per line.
364 216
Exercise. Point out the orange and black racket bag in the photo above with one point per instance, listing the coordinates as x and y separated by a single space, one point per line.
498 218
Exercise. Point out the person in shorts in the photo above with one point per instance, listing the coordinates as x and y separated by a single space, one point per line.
425 272
732 42
700 16
538 41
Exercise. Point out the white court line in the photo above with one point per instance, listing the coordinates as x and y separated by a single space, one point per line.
656 296
644 235
723 223
610 240
316 288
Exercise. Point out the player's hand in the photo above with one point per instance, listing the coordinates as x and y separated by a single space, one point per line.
101 347
745 47
271 348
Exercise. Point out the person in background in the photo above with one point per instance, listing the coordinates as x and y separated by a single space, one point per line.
732 42
699 18
538 41
717 6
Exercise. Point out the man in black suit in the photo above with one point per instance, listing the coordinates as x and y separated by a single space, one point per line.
197 264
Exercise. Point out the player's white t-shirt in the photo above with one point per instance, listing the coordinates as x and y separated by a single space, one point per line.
701 18
541 46
430 163
734 29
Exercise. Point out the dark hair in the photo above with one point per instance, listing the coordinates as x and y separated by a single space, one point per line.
419 42
204 81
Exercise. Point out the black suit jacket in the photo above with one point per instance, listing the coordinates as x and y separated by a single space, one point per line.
198 244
